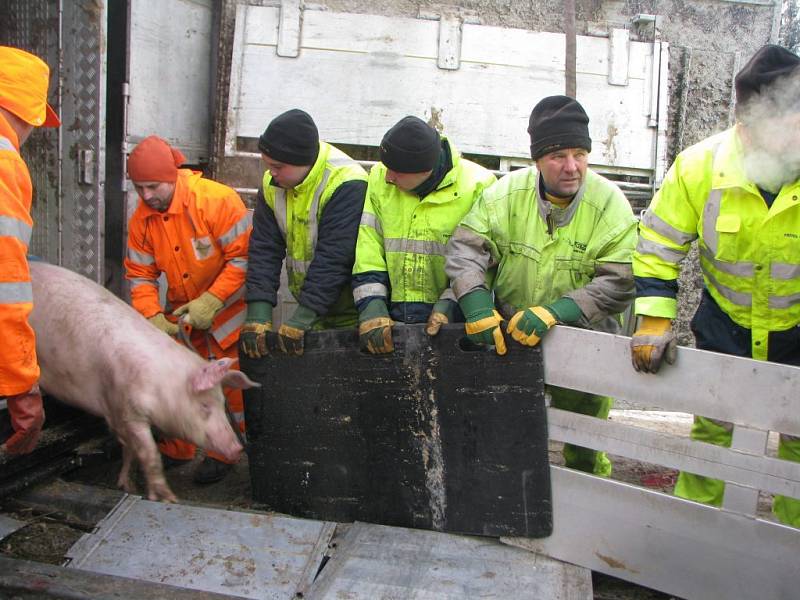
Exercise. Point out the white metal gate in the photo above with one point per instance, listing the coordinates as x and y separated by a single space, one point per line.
654 539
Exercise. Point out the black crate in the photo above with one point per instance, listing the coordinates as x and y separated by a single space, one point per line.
438 435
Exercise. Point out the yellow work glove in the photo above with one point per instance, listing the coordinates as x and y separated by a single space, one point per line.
201 311
375 328
291 335
653 342
483 324
253 334
164 324
443 313
529 326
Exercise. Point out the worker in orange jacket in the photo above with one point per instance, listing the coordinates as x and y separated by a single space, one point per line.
23 105
196 232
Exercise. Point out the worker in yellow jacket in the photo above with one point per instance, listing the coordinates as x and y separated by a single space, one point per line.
23 106
736 193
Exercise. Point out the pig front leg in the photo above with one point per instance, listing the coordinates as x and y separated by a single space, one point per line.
124 479
143 444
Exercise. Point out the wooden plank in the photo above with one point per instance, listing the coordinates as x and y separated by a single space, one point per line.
755 471
449 43
618 137
289 29
398 57
679 547
749 392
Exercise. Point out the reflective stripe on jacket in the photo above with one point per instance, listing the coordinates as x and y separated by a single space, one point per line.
298 212
200 244
749 253
541 252
405 237
19 370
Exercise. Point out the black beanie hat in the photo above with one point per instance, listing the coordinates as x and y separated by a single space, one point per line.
411 146
766 66
558 122
291 138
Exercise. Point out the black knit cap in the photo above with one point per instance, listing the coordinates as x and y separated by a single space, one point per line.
765 67
558 122
291 138
411 146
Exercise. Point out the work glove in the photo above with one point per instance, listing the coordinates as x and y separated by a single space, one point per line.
291 334
483 324
529 326
27 417
253 334
443 312
164 324
375 328
201 310
653 342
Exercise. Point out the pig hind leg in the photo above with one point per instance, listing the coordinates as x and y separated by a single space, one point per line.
141 442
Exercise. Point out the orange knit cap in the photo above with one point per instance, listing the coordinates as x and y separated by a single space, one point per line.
154 160
23 87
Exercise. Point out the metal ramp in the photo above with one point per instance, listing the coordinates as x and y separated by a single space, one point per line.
258 555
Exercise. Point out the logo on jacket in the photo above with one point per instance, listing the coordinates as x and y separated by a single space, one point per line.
202 248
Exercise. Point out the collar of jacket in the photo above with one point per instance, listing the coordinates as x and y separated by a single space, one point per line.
443 167
7 131
448 179
728 169
728 164
180 198
552 214
309 184
455 158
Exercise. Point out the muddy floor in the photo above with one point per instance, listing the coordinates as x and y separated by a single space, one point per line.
47 536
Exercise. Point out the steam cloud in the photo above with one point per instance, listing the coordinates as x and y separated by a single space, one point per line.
772 134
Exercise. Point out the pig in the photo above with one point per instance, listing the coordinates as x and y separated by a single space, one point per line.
98 354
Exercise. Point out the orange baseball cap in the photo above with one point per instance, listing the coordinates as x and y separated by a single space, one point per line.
23 87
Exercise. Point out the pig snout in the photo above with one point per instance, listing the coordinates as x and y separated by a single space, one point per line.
221 438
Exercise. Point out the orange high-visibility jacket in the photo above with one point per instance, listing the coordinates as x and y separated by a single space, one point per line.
19 370
200 244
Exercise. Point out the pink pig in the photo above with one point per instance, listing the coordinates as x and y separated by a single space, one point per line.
100 355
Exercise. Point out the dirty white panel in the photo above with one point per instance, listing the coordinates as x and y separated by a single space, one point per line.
170 74
682 548
241 554
358 74
375 561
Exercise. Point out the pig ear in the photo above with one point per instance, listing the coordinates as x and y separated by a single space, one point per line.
237 379
210 374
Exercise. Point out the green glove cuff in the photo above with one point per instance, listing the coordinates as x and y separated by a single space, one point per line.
447 308
565 310
375 308
477 304
259 312
302 318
